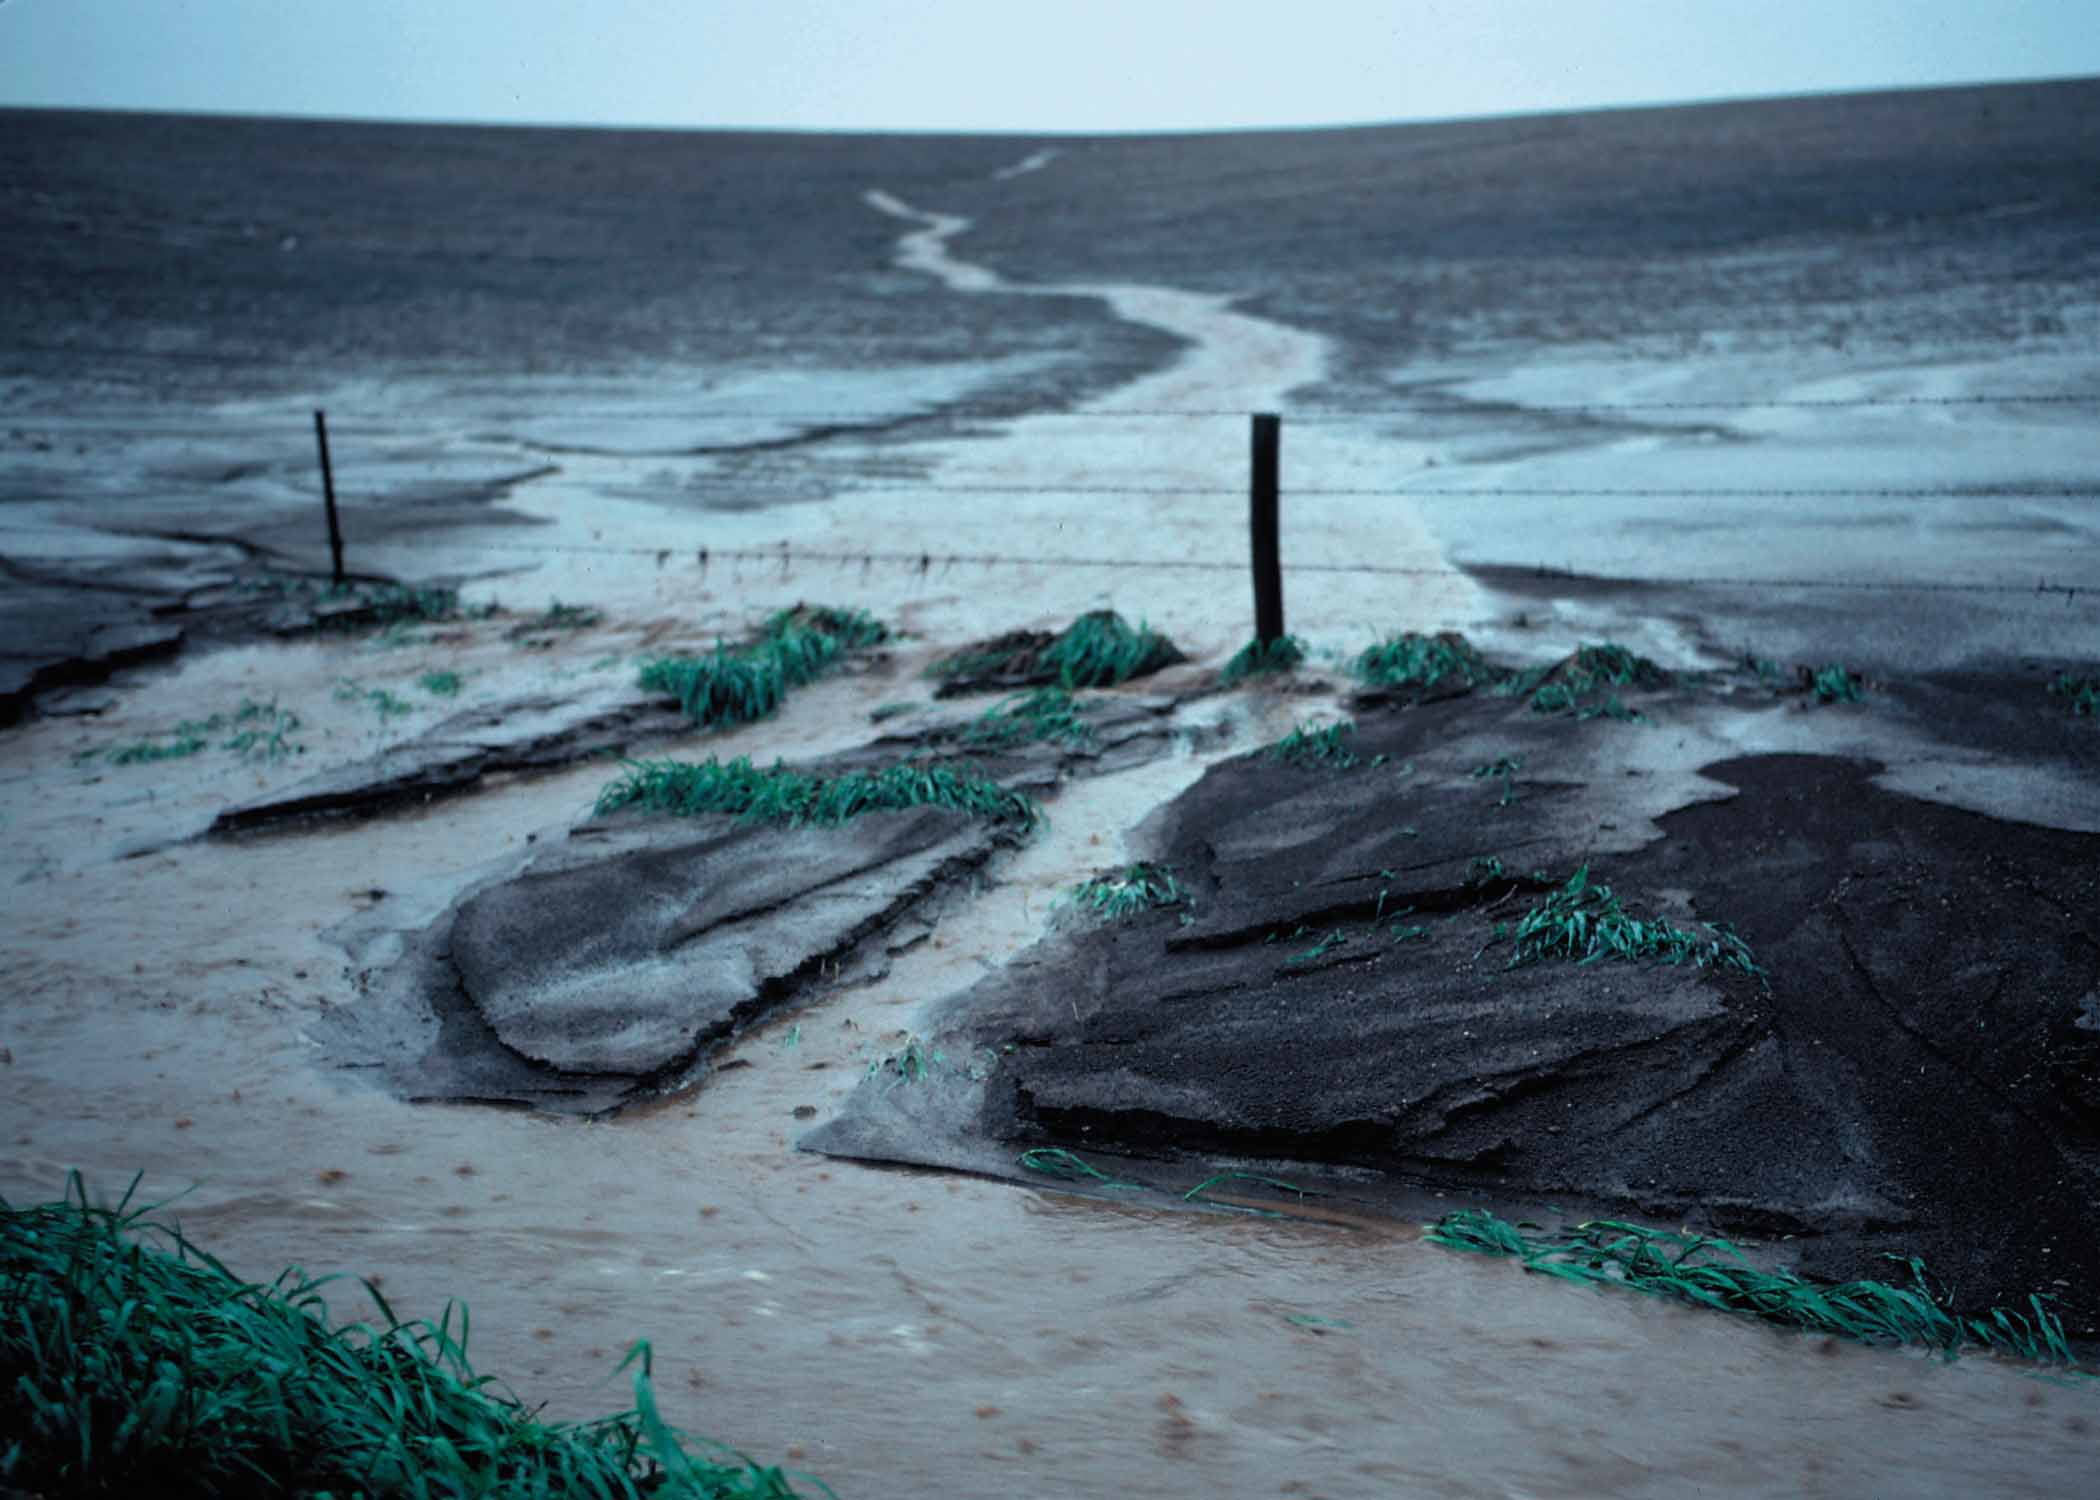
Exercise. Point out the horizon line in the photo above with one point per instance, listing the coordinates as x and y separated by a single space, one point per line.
1058 133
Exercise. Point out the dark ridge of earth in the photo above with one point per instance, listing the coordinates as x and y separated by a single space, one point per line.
613 965
1922 1076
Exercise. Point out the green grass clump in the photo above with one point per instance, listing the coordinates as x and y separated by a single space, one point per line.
1713 1273
440 684
737 685
1586 923
1411 659
2084 693
1141 887
1833 684
1582 685
1258 658
1308 746
1608 665
1100 649
1049 713
134 1363
781 795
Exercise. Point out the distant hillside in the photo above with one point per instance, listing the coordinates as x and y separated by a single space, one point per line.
257 248
1961 215
260 246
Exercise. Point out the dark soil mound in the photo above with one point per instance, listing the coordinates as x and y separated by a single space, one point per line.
1912 1074
1099 649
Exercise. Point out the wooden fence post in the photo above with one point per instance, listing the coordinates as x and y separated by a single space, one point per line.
335 530
1268 568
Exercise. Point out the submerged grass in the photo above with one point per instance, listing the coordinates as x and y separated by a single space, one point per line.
782 795
133 1362
1049 713
379 700
1586 923
1123 894
1712 1272
260 731
736 685
1414 660
1258 658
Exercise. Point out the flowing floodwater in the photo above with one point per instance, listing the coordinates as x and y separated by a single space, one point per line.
897 1332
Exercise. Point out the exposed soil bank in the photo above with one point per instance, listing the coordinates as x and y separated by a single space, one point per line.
615 963
1336 994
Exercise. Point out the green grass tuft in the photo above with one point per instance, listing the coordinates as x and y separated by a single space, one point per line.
1049 713
1308 746
1582 684
737 685
1122 895
440 684
2084 693
1713 1273
1833 684
1257 658
133 1362
1586 923
1411 659
782 795
1504 769
1101 650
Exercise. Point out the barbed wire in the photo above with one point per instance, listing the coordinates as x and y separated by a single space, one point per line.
786 556
1506 492
855 420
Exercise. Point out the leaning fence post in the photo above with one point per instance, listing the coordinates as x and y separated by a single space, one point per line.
1268 570
335 530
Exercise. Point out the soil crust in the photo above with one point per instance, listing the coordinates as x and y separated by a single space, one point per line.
1913 1074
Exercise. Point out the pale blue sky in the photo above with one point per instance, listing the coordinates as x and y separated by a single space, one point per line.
999 65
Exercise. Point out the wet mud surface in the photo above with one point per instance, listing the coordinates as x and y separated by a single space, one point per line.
1906 1077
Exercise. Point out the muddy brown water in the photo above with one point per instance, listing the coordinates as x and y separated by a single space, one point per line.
896 1332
